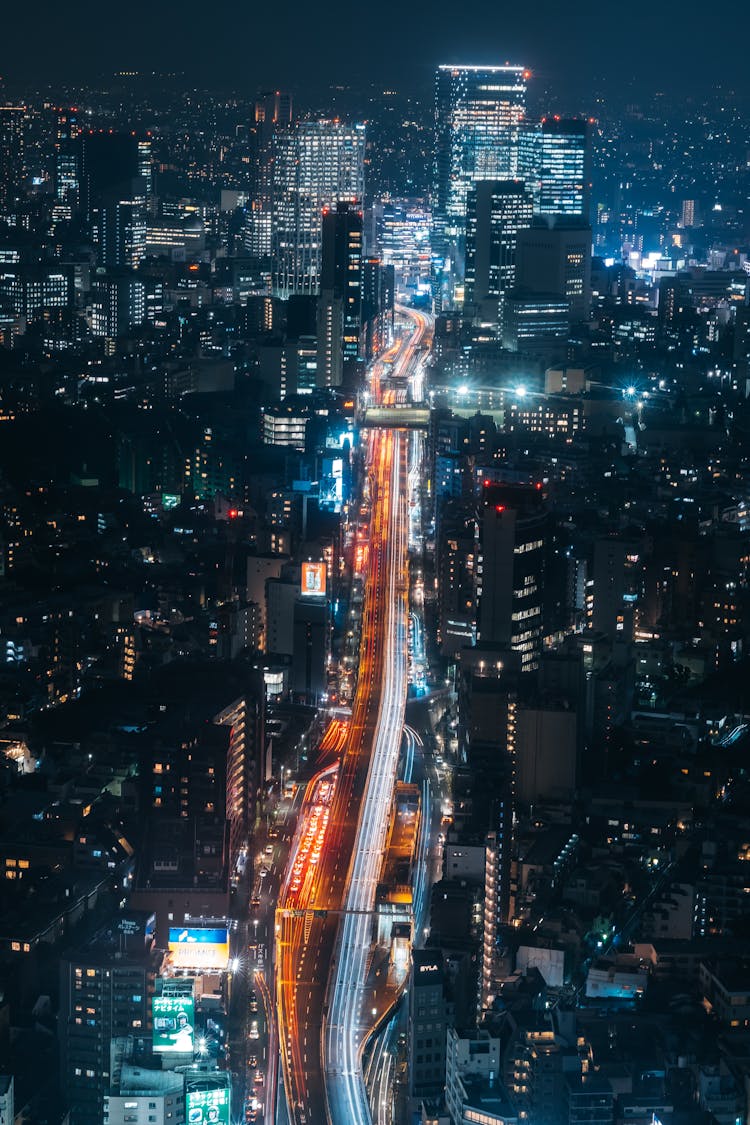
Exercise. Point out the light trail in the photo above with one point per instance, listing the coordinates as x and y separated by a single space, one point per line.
298 894
381 1072
413 740
347 1025
269 1094
325 917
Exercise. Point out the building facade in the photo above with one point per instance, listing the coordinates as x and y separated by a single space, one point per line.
478 112
554 162
496 211
316 165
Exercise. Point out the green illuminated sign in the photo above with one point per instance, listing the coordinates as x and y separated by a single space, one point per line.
208 1107
174 1024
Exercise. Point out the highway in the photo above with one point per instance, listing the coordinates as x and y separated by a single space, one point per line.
324 919
348 1023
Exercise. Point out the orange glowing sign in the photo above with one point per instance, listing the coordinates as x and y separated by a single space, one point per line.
313 579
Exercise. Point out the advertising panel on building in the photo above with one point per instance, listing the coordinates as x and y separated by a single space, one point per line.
208 1107
198 948
174 1024
313 579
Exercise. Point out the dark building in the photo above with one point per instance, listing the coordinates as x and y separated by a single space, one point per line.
109 161
536 324
300 315
378 294
341 278
427 1026
615 582
105 992
513 526
115 186
310 648
554 256
496 211
12 155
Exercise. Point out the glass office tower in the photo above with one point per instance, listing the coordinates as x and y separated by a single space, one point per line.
478 112
317 164
553 161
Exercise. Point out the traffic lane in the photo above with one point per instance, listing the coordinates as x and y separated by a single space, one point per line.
297 996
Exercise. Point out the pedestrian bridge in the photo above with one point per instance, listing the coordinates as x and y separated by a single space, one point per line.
401 416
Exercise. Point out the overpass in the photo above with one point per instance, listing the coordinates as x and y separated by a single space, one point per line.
400 416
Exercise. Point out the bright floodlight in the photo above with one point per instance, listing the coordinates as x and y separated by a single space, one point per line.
462 390
630 391
521 391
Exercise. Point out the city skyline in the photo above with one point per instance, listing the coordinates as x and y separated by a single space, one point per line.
375 574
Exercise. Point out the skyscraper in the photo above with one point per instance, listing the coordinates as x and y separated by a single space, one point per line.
273 110
115 182
554 257
378 292
67 155
341 276
478 111
512 530
329 330
427 1025
317 164
554 162
109 161
496 211
12 148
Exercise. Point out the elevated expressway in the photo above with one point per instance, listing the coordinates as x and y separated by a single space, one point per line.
324 921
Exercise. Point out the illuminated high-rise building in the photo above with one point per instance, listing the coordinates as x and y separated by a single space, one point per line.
67 155
12 153
272 111
478 112
554 162
496 211
118 303
317 164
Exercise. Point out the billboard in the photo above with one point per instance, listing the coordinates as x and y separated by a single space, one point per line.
174 1024
208 1107
314 579
199 948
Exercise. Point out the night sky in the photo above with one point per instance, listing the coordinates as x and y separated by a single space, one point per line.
298 44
